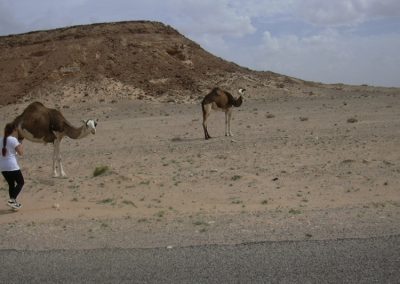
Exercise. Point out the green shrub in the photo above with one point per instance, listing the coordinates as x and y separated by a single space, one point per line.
100 170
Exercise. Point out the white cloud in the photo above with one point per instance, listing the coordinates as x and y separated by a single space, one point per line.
331 57
262 8
346 12
210 18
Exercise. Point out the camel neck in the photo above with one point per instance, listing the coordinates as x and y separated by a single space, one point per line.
76 133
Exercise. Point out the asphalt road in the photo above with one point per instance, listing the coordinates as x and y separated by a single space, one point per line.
374 260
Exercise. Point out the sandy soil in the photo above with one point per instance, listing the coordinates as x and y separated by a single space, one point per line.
298 167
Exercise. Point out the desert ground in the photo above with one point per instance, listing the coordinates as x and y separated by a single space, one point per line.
306 164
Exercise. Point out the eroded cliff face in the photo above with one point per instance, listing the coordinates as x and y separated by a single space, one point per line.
139 59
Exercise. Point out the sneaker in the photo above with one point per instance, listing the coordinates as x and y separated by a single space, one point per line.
16 205
11 202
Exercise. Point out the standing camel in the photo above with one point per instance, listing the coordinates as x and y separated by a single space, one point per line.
40 124
219 99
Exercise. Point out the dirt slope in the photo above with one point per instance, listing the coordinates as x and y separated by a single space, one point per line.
105 61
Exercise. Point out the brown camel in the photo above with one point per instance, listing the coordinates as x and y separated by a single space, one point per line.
40 124
222 100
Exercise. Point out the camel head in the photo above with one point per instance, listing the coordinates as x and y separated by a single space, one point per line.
90 125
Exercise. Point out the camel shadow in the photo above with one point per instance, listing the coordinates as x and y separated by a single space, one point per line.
179 139
7 211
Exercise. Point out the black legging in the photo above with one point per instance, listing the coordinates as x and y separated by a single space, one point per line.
15 182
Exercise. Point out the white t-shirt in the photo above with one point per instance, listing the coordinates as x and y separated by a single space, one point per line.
9 162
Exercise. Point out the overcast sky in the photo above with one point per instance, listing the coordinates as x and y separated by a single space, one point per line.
331 41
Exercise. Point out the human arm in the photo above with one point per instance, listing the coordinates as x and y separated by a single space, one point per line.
19 149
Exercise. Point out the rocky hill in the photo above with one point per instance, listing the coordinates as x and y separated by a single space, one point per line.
144 60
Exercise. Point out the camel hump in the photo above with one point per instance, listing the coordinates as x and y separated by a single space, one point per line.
47 118
37 104
57 121
212 95
34 106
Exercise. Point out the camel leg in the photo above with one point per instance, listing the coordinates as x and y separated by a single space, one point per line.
226 123
57 160
60 166
228 118
63 174
206 114
56 147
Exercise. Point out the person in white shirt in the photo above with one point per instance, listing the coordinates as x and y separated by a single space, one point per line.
9 167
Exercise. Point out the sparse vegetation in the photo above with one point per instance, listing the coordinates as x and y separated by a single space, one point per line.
203 230
200 223
236 177
104 225
128 202
160 214
177 139
106 201
352 120
294 211
100 170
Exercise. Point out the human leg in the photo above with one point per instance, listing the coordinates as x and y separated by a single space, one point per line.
19 180
15 182
11 183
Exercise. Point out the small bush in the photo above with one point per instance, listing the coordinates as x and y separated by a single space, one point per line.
236 177
177 139
160 214
352 120
128 202
294 211
200 223
106 201
100 170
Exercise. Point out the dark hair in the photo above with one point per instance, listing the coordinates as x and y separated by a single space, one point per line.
8 130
